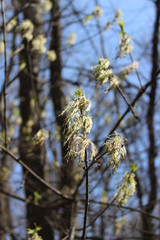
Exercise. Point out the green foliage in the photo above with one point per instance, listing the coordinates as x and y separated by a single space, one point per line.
37 197
34 233
125 44
134 167
121 24
87 18
78 92
5 170
22 66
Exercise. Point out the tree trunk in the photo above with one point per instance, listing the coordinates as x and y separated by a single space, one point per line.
68 171
29 110
148 233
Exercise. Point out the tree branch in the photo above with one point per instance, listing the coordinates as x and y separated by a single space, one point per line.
87 196
46 184
5 74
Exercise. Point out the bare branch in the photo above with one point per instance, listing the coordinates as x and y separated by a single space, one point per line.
56 191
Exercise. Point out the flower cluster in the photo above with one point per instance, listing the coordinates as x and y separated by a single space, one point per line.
35 237
117 18
76 121
78 146
116 150
102 71
118 15
71 39
127 70
34 233
11 24
46 5
38 44
40 137
51 54
125 46
78 125
97 11
26 29
103 74
126 188
1 47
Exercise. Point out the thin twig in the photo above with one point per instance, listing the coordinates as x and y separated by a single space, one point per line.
73 220
139 79
100 213
139 94
129 208
5 75
5 150
125 99
9 194
87 196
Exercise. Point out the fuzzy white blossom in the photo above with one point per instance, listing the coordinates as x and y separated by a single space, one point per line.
38 44
118 15
127 70
115 149
78 126
78 146
76 121
103 73
35 237
46 5
2 47
11 24
51 54
26 29
126 188
40 137
74 108
115 81
71 39
125 46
